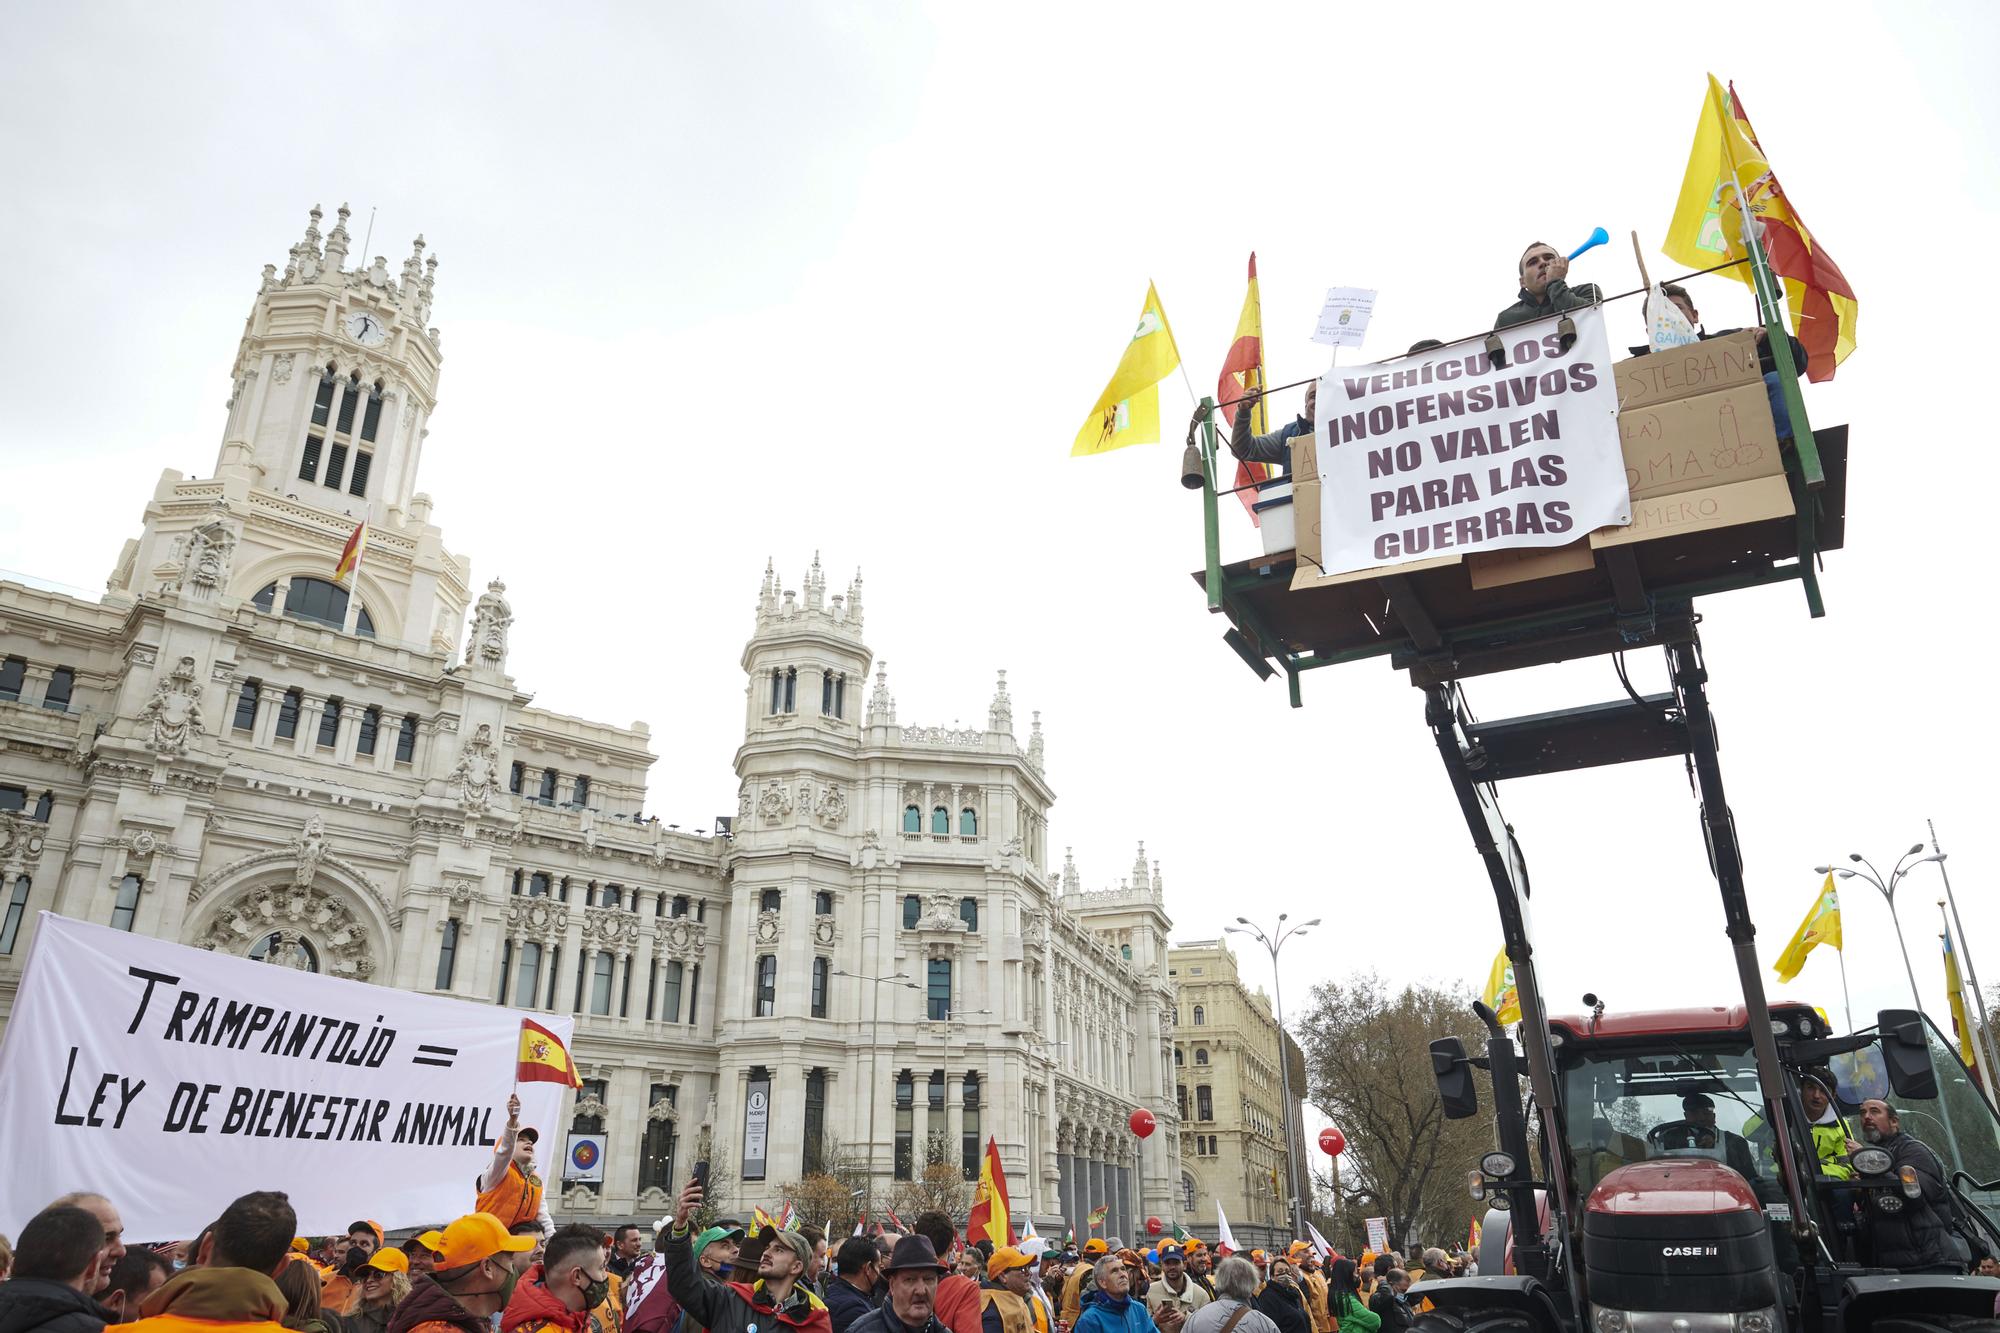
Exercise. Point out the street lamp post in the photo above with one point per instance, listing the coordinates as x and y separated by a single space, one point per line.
875 1056
1888 891
1272 943
1986 1046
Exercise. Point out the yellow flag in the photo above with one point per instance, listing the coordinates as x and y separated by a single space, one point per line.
1128 411
1727 166
1821 926
1503 997
1954 989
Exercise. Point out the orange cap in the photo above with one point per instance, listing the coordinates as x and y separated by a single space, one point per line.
1004 1259
1096 1245
471 1238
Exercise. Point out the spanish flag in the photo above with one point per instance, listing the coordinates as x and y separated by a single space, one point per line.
1128 411
990 1218
1821 926
1243 369
1726 170
1502 996
1097 1216
350 554
543 1058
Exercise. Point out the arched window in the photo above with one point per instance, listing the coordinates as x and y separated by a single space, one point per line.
913 819
1178 1060
1201 1055
1200 1016
283 948
127 906
1187 1193
968 912
771 900
317 602
941 821
913 910
968 823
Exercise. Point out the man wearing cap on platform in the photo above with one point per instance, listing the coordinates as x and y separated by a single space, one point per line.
1545 290
778 1297
510 1189
474 1277
912 1271
1175 1290
1082 1280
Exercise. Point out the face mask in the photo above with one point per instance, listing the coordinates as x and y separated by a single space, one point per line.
596 1292
507 1282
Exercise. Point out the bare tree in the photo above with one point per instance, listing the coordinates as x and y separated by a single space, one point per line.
1367 1068
832 1194
940 1187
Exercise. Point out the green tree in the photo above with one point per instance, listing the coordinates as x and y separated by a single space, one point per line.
1368 1067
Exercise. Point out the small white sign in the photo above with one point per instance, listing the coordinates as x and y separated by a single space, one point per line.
584 1157
1343 321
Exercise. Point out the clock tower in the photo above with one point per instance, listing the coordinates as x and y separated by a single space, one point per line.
335 379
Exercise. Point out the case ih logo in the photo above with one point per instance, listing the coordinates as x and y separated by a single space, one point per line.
1690 1251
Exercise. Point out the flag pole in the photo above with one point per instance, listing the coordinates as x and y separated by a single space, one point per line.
1846 1000
1769 303
1986 1047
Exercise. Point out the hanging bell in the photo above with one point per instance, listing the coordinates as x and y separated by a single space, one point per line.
1192 473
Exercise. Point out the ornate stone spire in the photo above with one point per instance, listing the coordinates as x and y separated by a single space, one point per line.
881 703
336 243
815 585
1140 876
767 596
1159 885
1000 713
854 601
1035 741
303 264
423 310
413 271
1071 881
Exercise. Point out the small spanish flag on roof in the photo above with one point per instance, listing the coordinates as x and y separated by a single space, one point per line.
544 1059
350 554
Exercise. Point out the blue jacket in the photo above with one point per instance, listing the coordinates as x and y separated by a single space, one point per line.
844 1303
1124 1315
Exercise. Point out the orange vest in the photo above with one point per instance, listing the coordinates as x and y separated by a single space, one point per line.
515 1199
1014 1316
174 1323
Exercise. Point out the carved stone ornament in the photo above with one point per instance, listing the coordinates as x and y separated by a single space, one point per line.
281 368
295 915
743 799
831 807
204 555
824 930
685 938
20 839
940 913
775 803
611 928
592 1105
172 717
653 1199
477 774
663 1112
580 1198
308 850
486 645
460 893
767 927
537 917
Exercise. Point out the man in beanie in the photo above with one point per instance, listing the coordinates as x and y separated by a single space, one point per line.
779 1296
912 1271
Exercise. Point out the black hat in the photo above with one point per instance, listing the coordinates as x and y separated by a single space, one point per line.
528 1133
1694 1099
912 1252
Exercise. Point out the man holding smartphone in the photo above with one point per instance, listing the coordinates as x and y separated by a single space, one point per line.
777 1296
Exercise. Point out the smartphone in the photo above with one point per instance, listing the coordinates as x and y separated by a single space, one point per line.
701 1174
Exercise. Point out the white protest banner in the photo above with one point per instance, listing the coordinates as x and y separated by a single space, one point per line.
1378 1234
1343 320
174 1080
1444 452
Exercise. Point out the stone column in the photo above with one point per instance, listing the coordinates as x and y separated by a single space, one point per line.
348 734
310 708
265 728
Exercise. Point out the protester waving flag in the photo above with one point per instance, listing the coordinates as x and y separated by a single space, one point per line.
1243 369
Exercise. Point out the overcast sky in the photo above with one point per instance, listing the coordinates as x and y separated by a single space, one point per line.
731 281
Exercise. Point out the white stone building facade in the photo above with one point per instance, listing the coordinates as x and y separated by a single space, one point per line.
228 750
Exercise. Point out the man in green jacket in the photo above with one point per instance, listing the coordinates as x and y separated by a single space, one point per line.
1545 290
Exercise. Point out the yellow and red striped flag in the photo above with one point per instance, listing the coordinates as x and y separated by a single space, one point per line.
350 554
544 1058
990 1218
1726 168
1243 369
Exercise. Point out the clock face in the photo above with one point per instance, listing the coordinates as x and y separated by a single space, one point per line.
365 327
